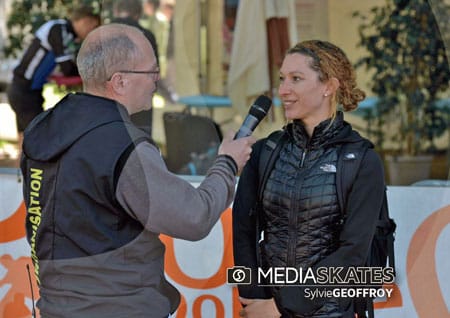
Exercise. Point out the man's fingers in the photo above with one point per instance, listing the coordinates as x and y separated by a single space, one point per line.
230 135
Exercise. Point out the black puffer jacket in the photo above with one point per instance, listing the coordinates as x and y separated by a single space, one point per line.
302 214
300 203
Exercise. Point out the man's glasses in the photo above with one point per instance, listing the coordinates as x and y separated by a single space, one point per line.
154 73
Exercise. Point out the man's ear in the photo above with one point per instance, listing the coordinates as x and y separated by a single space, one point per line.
118 83
332 86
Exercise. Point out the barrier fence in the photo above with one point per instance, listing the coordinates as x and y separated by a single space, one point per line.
198 269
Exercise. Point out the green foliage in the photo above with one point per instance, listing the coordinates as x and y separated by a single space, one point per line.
405 44
28 15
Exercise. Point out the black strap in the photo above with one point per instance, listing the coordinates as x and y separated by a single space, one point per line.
370 309
390 226
267 157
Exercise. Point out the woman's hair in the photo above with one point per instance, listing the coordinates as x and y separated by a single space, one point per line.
330 61
106 53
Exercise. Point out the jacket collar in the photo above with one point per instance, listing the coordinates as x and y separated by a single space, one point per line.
323 133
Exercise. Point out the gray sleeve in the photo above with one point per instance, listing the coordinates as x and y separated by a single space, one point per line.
165 203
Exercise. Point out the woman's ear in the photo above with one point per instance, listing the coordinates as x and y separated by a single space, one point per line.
332 86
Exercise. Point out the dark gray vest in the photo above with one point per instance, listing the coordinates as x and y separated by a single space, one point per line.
72 210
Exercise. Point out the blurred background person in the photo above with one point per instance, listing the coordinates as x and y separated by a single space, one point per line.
149 19
55 43
158 18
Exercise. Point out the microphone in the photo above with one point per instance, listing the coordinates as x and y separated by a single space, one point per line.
256 113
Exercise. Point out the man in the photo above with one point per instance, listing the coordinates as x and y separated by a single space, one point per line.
128 12
158 18
98 193
55 43
155 21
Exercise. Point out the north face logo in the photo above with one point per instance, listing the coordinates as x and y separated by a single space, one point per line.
328 167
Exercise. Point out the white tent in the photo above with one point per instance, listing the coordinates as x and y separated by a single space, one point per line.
199 48
249 67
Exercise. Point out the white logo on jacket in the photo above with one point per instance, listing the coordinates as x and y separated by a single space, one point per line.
328 167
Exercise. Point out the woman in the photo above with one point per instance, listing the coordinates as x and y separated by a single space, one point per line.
302 222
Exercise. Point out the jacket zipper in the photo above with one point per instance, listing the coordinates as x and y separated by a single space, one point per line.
292 243
303 157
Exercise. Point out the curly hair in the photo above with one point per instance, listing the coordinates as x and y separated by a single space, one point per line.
330 61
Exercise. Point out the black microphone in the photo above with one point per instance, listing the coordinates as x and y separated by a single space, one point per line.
256 113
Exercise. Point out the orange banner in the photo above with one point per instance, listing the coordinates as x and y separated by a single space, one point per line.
422 216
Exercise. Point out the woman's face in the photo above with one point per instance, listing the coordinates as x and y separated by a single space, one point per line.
303 95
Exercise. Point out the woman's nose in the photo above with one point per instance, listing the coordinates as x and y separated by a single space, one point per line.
283 89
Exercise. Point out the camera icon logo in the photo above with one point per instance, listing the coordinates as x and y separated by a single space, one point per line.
239 275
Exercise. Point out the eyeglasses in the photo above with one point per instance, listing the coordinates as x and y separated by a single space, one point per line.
154 73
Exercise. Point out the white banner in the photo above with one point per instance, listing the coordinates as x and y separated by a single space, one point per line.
198 269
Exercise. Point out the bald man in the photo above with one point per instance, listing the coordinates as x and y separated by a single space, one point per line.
98 193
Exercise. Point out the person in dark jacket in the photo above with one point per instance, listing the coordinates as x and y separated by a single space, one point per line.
128 12
55 43
303 226
98 193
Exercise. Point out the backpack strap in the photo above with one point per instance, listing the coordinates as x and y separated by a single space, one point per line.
267 157
388 225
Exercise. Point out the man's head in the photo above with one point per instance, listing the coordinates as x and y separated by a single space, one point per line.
167 7
84 20
116 61
127 9
150 7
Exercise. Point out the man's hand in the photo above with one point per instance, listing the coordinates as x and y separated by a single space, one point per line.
259 308
239 149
